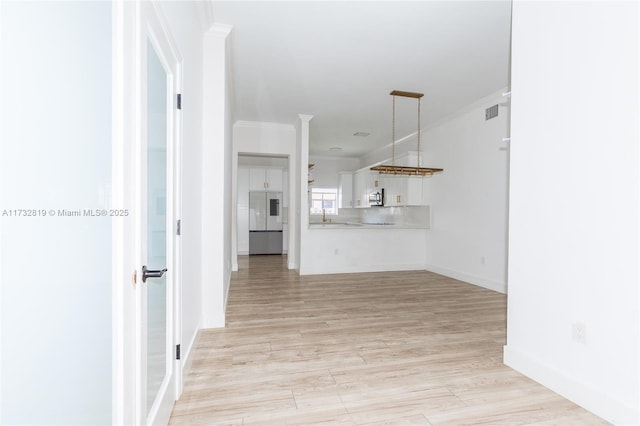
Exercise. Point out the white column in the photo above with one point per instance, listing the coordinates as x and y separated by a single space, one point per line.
214 145
303 205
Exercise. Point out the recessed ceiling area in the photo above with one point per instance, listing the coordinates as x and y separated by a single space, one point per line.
338 61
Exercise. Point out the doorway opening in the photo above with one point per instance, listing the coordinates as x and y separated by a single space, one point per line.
262 209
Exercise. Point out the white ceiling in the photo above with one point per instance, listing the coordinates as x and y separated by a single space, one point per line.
338 61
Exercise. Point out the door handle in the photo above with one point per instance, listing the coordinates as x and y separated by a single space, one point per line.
152 273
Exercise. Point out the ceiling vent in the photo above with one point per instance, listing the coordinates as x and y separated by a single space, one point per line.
491 112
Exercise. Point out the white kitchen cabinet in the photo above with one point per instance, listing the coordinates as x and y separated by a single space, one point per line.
413 191
265 179
274 179
393 191
256 179
357 190
374 182
242 219
345 190
360 196
364 183
402 190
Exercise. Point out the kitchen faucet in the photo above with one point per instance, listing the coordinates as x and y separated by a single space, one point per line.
324 217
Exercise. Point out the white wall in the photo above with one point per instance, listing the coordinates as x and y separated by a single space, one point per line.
55 272
573 251
230 162
468 236
187 24
325 172
251 137
265 139
468 200
216 177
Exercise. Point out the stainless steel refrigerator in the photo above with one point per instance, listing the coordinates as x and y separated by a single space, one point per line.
265 222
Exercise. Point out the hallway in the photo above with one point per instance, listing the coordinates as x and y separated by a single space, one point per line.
407 347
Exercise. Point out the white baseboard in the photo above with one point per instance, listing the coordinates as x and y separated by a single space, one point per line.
226 298
500 287
586 396
187 354
214 321
350 269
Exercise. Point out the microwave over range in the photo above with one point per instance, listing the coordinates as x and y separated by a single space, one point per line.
377 198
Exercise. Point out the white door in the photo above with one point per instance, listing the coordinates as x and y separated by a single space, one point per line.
158 271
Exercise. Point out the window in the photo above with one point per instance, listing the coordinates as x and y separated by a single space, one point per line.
324 199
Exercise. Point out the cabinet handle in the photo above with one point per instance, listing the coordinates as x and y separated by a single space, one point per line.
397 198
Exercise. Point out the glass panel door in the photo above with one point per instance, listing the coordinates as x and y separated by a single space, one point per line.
157 348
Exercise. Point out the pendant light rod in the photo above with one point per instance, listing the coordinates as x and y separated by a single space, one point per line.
393 133
419 131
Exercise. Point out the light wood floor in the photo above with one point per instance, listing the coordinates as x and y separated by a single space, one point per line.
396 348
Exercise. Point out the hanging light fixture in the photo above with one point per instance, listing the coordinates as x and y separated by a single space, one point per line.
392 169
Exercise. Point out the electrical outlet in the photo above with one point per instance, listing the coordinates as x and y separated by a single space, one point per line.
579 332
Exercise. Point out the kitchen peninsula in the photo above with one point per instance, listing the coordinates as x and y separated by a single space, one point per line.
346 248
358 235
413 217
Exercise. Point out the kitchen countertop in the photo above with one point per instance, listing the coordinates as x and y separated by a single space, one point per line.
356 225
